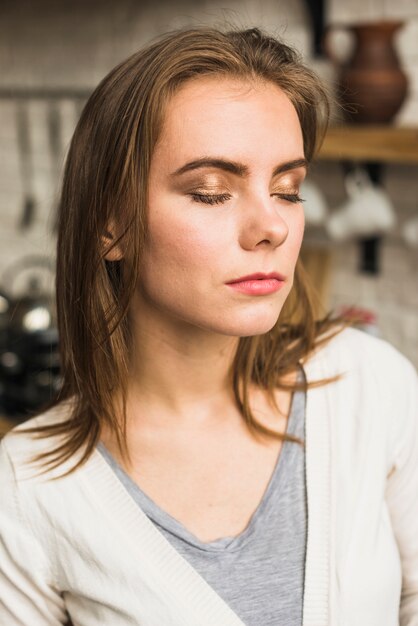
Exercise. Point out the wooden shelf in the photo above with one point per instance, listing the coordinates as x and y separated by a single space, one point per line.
384 144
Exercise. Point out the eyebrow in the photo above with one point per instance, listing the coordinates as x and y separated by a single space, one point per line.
236 168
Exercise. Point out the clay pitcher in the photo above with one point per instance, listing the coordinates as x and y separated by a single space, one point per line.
371 86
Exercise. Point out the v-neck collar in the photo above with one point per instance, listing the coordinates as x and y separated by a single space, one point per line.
171 574
197 602
224 544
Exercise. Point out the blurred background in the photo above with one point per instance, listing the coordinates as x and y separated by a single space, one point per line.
361 195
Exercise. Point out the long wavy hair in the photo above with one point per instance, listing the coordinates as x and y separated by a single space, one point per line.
105 179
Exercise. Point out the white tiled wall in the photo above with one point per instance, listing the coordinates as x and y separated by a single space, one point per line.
56 44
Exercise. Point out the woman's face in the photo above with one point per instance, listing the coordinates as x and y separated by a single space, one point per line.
214 223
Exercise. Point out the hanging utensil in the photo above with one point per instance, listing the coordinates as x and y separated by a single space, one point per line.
56 126
26 165
55 150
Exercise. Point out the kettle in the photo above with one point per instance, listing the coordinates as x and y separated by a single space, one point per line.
29 356
34 309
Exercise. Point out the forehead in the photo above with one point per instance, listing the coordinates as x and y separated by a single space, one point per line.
213 114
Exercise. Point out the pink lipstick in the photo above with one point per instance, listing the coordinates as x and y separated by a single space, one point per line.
258 284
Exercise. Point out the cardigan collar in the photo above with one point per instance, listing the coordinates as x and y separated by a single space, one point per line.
173 576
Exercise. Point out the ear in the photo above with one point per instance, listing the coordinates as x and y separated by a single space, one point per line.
116 253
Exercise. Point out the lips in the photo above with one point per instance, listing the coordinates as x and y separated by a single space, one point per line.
257 276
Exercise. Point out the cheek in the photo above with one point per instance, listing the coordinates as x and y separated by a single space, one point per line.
178 249
295 236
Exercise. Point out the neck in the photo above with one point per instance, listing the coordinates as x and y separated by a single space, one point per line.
181 373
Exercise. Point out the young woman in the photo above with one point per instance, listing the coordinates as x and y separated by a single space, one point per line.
217 456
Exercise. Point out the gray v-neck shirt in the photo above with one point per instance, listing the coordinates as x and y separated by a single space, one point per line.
260 572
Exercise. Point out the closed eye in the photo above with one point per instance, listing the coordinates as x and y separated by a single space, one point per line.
291 197
223 197
210 198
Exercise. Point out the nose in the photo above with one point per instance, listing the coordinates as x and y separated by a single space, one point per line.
262 223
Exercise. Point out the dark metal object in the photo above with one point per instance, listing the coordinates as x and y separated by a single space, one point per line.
370 255
371 246
316 11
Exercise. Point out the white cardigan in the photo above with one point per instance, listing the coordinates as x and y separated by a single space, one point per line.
83 544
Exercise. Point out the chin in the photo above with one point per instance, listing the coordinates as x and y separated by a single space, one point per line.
257 323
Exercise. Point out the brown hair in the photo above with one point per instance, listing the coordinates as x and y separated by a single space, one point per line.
106 175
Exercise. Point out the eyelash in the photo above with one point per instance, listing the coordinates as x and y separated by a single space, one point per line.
218 199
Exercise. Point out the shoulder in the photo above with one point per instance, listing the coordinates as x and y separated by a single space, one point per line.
375 377
18 448
35 508
374 400
30 492
365 354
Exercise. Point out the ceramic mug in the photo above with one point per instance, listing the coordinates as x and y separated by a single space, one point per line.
410 232
314 203
367 212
